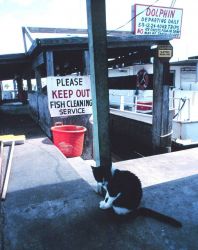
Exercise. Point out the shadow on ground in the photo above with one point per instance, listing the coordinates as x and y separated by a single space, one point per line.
66 216
19 124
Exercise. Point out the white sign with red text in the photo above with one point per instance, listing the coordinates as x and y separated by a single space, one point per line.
69 95
156 20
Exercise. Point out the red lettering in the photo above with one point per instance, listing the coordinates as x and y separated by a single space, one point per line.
54 95
62 93
70 93
140 31
82 92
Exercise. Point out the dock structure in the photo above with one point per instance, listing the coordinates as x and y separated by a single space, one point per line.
51 203
60 56
64 56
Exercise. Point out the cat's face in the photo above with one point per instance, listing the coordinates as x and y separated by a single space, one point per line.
98 173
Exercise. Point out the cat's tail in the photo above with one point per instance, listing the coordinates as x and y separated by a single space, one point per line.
147 212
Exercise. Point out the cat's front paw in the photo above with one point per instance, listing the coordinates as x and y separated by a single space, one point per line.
104 205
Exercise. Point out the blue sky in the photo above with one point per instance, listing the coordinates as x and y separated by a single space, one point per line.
72 14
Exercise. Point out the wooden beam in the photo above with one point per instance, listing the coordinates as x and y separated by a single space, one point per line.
24 39
80 43
56 30
86 63
162 123
85 31
39 60
8 170
19 81
50 63
72 31
14 58
99 82
38 79
24 34
29 84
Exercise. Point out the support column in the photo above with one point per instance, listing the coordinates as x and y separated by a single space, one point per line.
38 79
19 81
1 91
162 120
86 62
50 63
29 84
96 16
88 149
197 72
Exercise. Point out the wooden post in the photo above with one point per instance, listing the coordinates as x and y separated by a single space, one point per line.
50 63
86 62
1 87
19 81
99 82
38 79
162 122
196 72
29 84
88 147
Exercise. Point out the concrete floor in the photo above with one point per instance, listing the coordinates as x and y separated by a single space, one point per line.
51 203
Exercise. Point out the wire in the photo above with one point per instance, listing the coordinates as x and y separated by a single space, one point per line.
173 3
184 101
134 17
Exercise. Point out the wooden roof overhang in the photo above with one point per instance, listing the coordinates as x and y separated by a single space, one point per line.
121 50
12 65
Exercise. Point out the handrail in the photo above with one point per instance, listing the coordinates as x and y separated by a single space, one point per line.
147 108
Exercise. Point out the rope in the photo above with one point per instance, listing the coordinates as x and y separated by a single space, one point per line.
184 101
166 135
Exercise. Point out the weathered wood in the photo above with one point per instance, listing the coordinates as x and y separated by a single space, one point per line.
24 34
39 60
86 62
8 170
24 39
161 130
38 79
29 84
19 81
71 31
85 31
14 58
50 63
99 79
197 72
1 165
56 30
78 43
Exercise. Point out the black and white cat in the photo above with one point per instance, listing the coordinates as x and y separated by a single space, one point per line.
123 193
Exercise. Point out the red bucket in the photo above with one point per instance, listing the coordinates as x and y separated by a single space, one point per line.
69 139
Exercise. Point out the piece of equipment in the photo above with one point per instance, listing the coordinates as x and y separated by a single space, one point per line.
7 140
